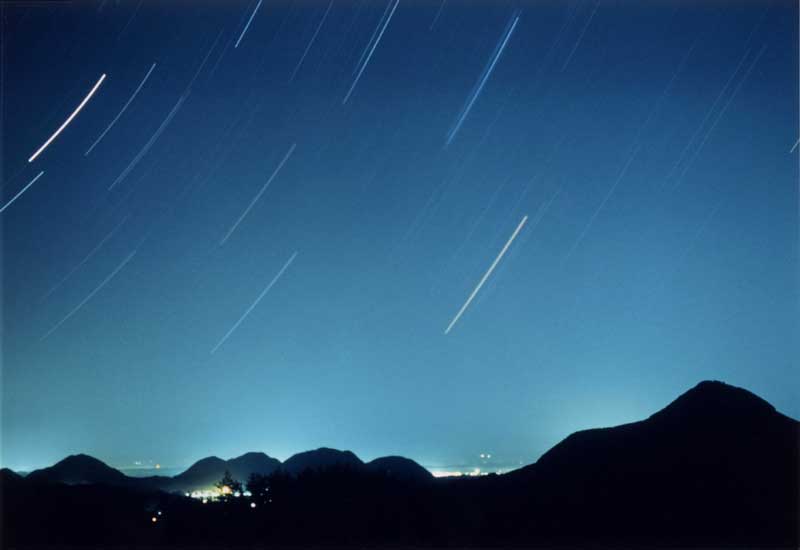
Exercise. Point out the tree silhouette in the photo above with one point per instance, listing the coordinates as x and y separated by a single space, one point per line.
228 486
258 485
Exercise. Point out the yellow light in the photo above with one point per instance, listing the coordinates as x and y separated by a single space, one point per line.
154 519
226 490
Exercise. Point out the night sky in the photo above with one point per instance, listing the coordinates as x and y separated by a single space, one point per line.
258 230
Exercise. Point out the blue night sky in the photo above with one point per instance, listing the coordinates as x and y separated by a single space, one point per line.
649 144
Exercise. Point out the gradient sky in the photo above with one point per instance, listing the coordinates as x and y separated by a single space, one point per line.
649 144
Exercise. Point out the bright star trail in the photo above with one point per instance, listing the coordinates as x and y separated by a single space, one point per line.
18 195
371 51
69 119
247 26
486 275
571 191
254 304
116 118
487 72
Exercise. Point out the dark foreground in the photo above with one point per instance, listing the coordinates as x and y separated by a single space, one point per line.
716 468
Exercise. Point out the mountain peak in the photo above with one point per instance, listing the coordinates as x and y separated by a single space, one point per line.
79 468
713 399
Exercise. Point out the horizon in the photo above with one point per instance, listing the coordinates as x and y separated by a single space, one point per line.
482 467
437 230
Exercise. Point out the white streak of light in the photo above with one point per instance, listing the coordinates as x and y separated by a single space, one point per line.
247 26
6 205
477 91
486 275
124 107
69 119
258 195
369 56
796 143
255 303
372 38
91 294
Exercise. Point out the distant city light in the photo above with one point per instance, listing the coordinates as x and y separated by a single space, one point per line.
252 505
159 512
205 501
158 466
154 519
247 494
457 473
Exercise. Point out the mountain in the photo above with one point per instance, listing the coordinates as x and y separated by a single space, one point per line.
252 463
206 472
319 459
716 467
717 460
79 469
202 474
400 468
9 477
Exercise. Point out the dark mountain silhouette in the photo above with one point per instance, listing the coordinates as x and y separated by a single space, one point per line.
79 469
716 460
9 477
202 474
717 467
206 472
318 459
258 463
400 467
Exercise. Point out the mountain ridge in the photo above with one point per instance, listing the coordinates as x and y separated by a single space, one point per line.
717 466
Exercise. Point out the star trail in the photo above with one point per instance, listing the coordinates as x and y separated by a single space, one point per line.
432 229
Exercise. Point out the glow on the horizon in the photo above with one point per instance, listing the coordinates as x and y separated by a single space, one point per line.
69 119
